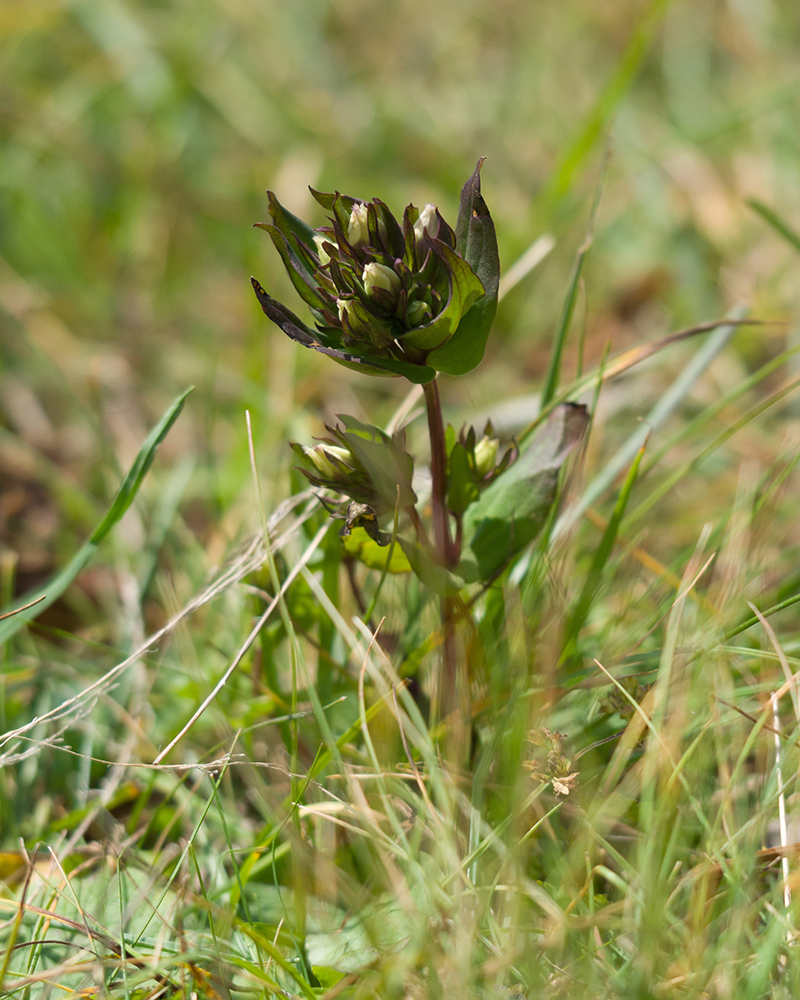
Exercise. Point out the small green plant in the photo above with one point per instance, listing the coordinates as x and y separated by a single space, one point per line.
414 299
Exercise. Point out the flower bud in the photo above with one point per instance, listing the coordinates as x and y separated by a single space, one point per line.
363 328
486 455
345 307
328 460
418 312
380 276
358 227
426 221
319 239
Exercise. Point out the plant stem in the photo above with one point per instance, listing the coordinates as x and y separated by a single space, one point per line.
441 527
451 695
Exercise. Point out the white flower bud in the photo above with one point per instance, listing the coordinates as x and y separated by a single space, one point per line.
344 306
426 221
319 239
380 276
320 457
358 226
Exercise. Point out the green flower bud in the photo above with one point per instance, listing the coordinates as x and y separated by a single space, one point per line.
358 227
418 313
380 276
362 462
486 456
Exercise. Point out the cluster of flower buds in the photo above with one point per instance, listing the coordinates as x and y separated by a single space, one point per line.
363 463
474 463
390 298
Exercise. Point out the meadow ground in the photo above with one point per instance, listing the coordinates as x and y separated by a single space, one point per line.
193 805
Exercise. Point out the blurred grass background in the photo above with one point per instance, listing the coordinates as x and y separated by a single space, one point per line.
137 139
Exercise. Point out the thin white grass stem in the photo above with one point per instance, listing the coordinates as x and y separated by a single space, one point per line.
262 621
256 482
782 825
249 559
523 266
791 684
663 409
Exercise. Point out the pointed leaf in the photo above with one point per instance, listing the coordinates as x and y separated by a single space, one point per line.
322 341
287 222
476 241
513 509
301 277
387 466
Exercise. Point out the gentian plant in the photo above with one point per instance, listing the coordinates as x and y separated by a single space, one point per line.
412 299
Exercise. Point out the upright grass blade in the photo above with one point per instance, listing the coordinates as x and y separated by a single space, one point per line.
774 220
663 409
50 592
595 577
554 368
608 99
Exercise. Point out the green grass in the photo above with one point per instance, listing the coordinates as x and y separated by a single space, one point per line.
301 833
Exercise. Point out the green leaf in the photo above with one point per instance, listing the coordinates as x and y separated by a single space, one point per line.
366 550
51 591
296 268
513 509
327 976
476 239
476 242
463 488
440 580
388 467
289 223
465 349
465 288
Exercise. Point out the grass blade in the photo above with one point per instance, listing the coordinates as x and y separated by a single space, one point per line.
51 591
769 216
664 408
594 578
